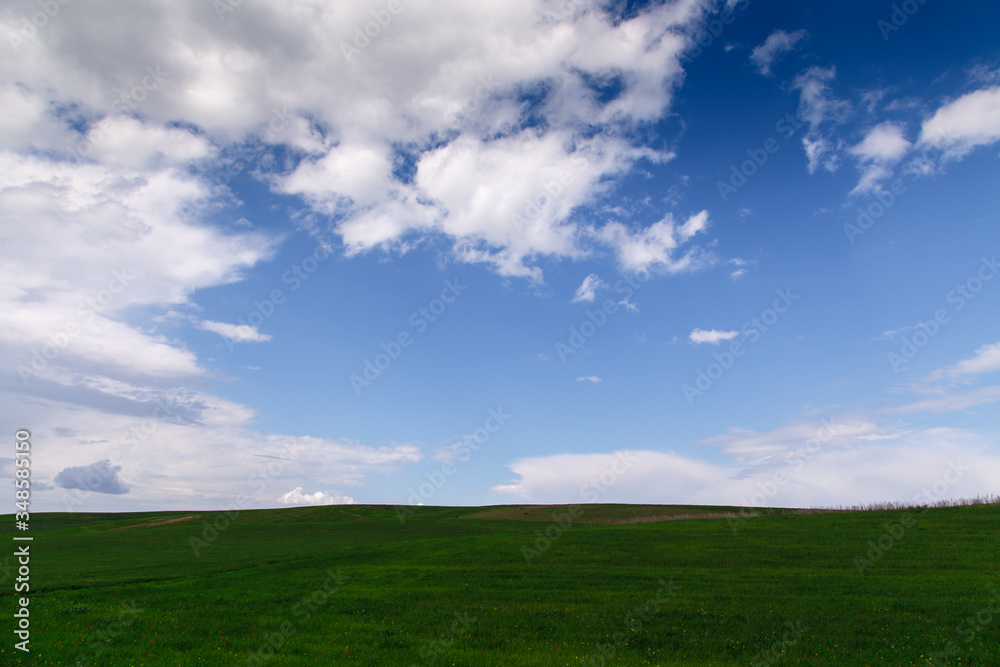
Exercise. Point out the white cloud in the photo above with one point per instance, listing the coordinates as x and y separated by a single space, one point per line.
184 449
986 360
124 141
628 305
495 179
104 240
776 45
963 124
949 403
296 497
655 246
712 336
818 107
740 269
242 333
884 143
125 222
588 288
883 146
848 470
750 446
588 378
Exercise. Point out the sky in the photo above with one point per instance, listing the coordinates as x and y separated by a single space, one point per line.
719 252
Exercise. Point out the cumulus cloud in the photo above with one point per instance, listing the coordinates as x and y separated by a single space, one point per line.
242 333
883 146
184 448
486 172
655 247
296 497
99 477
883 143
848 468
588 288
778 43
711 336
117 151
102 240
961 125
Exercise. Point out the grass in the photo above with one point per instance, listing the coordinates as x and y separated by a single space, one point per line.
451 586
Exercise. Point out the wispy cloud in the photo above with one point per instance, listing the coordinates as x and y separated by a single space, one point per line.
949 403
588 378
776 45
986 360
588 289
818 106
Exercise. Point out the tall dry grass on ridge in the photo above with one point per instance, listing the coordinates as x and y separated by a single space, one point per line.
900 505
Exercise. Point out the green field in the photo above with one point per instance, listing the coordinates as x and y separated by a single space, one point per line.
616 585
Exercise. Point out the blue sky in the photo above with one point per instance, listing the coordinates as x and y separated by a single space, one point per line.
684 252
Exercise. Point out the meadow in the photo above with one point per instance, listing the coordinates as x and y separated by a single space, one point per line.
512 586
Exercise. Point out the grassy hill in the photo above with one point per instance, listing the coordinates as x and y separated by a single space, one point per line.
512 586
